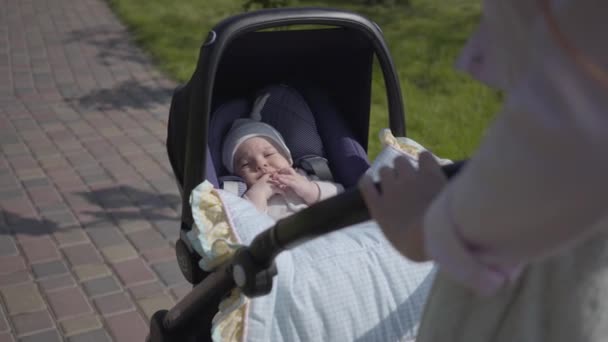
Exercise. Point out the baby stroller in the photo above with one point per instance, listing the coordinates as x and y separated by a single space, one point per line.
331 68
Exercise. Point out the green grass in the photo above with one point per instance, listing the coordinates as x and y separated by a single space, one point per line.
446 111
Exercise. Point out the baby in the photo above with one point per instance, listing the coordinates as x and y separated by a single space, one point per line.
256 152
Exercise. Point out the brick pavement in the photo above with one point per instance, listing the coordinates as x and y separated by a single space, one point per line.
89 207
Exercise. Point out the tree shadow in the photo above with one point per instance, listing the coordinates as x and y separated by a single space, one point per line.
119 204
15 224
126 205
127 95
114 49
113 45
115 198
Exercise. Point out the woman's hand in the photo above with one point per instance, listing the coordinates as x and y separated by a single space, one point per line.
289 179
406 195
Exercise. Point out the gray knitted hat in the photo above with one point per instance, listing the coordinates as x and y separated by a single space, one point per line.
243 129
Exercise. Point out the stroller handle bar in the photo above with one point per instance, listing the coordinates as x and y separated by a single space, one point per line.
231 28
335 213
324 217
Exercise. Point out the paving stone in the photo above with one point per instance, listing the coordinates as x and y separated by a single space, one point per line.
30 229
168 220
14 149
3 322
55 213
8 183
55 283
68 303
147 239
152 304
67 237
14 278
169 230
169 273
100 286
79 206
22 298
133 272
7 246
23 162
83 254
127 327
55 162
118 253
88 217
79 325
97 179
23 174
98 335
31 322
86 272
113 303
47 269
44 195
18 212
159 254
6 337
134 225
46 336
35 182
105 237
10 264
61 218
146 290
11 194
39 249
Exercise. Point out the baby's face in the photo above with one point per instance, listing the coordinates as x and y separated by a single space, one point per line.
256 157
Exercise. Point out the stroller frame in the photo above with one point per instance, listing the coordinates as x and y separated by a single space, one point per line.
252 268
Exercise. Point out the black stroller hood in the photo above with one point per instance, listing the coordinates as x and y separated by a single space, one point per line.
328 61
238 57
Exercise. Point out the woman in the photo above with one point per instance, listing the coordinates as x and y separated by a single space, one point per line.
520 235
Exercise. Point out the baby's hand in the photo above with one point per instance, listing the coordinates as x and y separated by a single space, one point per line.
264 187
261 191
288 178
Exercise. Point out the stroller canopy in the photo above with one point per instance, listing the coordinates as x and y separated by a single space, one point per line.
335 63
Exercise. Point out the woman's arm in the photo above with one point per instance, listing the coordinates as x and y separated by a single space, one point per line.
538 183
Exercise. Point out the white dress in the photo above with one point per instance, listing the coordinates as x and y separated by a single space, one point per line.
534 197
